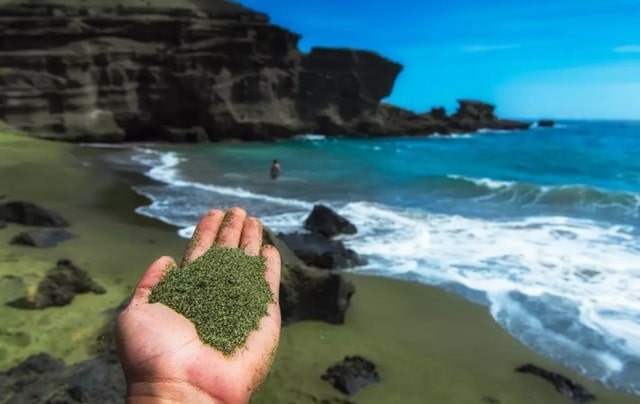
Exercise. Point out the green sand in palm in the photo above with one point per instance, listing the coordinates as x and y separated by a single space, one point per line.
223 293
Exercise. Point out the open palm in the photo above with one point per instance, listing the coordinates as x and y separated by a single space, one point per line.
161 354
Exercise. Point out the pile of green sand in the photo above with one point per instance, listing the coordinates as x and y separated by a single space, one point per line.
223 293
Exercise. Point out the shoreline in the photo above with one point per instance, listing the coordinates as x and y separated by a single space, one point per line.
441 348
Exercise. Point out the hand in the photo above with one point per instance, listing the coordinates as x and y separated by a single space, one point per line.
162 357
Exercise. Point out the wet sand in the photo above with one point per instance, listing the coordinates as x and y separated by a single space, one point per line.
429 345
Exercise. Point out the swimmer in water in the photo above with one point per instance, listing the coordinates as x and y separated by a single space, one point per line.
275 170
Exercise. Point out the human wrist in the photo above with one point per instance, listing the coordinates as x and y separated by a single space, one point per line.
167 392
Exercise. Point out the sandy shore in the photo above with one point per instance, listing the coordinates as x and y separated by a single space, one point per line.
429 345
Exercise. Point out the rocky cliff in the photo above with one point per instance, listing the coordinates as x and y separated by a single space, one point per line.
193 70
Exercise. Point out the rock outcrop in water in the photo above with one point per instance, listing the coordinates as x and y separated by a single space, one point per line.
193 70
325 221
317 248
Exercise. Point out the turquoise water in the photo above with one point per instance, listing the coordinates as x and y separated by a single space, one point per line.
540 226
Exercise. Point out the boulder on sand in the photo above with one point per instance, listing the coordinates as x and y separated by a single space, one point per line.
41 378
30 214
307 293
563 384
58 287
42 238
352 374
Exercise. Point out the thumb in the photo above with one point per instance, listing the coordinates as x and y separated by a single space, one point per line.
151 277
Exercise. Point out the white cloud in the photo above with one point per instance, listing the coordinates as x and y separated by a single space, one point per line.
488 48
627 49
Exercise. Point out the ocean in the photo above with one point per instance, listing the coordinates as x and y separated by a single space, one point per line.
540 226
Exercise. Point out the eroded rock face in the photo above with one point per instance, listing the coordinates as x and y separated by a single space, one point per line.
168 73
187 71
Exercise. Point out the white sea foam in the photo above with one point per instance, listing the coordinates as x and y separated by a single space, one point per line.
590 266
187 232
535 125
487 130
577 195
310 136
487 182
452 136
285 223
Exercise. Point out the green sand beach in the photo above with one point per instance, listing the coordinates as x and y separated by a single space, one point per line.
428 345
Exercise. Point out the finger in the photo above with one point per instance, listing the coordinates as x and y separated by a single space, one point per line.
251 237
262 344
231 228
151 277
273 269
204 236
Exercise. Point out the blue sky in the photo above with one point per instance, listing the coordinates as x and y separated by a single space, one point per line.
542 58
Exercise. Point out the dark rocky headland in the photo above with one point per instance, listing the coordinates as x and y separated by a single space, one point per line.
191 71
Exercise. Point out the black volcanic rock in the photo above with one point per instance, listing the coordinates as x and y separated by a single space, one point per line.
58 287
307 293
314 295
546 123
325 221
30 214
321 252
473 115
563 384
352 374
43 379
191 71
42 238
438 113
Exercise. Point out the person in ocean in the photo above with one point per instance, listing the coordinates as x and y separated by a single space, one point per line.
275 170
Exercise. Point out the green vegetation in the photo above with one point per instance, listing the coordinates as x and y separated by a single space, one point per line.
223 293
